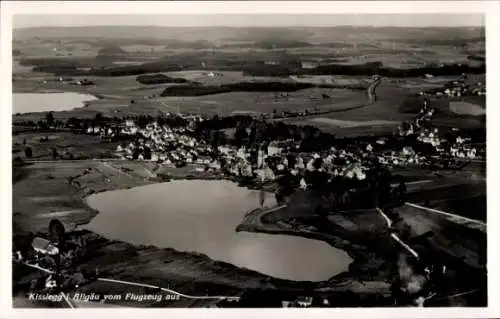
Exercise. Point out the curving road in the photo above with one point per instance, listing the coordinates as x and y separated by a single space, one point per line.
394 236
130 283
468 222
370 91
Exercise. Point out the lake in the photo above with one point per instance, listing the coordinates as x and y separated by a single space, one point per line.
44 102
466 108
201 216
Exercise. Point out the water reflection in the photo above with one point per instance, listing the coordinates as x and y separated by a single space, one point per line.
43 102
202 216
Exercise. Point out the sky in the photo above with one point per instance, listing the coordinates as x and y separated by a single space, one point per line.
253 20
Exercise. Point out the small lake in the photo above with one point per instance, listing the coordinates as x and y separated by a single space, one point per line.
44 102
201 216
466 108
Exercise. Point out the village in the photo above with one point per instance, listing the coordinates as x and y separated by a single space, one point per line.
416 143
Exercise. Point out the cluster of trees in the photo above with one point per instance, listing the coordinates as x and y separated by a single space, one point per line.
158 79
341 193
378 68
72 68
250 132
249 66
80 124
363 69
270 70
195 89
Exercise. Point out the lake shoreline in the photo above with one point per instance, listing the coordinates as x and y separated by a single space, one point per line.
105 204
354 251
89 97
138 269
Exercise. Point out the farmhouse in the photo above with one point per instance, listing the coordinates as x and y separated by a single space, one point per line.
309 64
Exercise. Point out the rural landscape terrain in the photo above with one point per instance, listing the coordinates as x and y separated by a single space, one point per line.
249 167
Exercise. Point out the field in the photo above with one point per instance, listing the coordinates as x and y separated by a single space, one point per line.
211 61
446 234
463 197
67 145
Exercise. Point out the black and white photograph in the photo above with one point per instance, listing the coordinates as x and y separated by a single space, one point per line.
247 160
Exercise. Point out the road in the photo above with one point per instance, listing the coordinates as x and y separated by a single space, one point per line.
371 97
48 271
254 217
130 283
395 236
471 223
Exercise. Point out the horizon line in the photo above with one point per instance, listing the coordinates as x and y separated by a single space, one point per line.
251 26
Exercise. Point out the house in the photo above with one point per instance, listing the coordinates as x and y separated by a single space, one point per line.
309 64
65 79
241 152
129 123
310 165
266 174
303 184
300 163
215 165
50 282
272 62
359 173
273 150
408 151
471 153
304 301
44 246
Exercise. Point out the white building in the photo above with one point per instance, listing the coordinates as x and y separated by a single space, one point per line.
408 151
266 174
303 184
304 301
273 150
310 166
